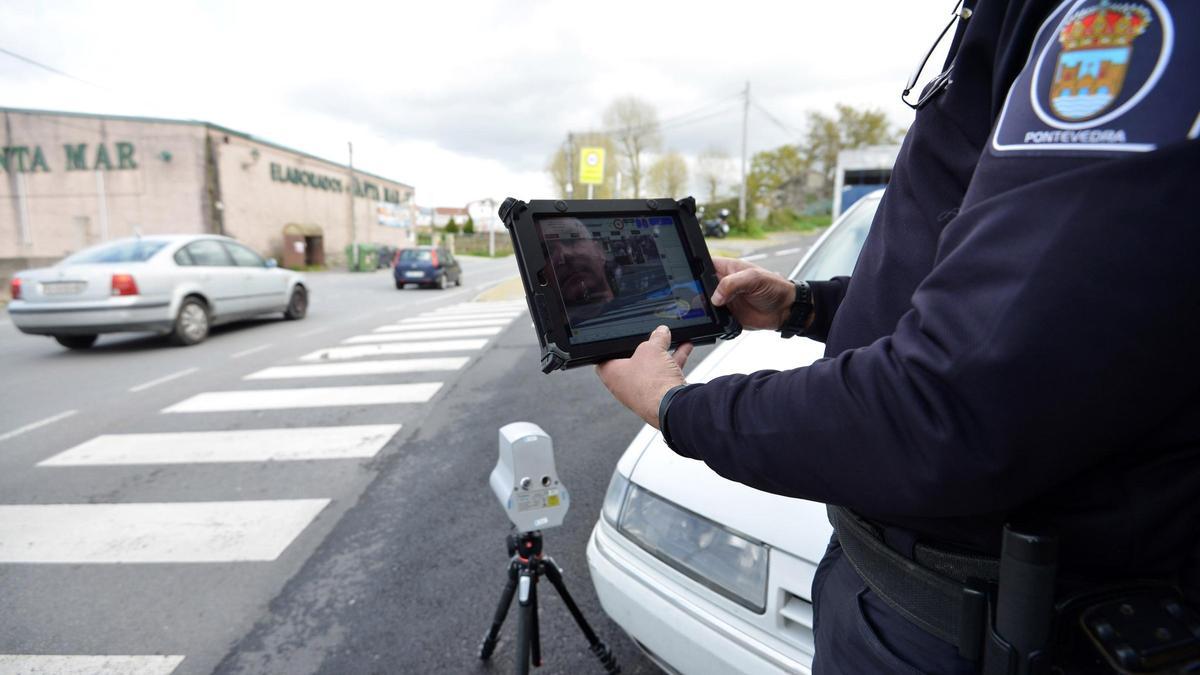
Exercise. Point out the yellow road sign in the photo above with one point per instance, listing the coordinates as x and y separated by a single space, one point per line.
591 166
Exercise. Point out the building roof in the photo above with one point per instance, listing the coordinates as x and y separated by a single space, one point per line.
450 211
194 123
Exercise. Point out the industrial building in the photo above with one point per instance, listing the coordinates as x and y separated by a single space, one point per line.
71 180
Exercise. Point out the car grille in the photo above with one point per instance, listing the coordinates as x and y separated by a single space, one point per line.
796 616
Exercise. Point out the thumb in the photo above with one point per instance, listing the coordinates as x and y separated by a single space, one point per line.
661 338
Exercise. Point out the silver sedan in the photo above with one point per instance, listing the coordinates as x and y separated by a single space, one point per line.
174 285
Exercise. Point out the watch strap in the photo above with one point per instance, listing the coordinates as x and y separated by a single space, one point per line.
798 315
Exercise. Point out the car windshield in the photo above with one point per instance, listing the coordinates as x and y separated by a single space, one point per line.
839 251
415 255
127 251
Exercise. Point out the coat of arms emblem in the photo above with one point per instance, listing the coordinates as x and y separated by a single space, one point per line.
1097 44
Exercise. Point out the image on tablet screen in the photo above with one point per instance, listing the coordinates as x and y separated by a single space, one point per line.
622 276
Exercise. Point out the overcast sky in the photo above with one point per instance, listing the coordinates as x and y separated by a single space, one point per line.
467 99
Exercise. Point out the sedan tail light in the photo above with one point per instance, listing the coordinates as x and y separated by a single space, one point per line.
123 284
14 287
433 257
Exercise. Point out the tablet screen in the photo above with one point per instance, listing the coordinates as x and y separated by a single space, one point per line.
622 276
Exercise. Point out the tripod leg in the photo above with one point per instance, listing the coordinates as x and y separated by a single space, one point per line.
506 596
600 649
524 621
535 637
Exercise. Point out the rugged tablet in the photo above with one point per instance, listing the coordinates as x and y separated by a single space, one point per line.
601 274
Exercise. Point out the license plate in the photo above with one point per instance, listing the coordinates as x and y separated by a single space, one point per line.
62 287
415 275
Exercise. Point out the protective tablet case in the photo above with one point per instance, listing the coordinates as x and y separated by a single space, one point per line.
546 307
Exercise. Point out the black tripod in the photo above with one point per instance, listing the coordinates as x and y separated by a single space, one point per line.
526 567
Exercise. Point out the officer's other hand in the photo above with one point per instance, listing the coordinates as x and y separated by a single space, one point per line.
757 298
640 381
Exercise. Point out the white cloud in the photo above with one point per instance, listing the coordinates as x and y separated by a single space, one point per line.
467 99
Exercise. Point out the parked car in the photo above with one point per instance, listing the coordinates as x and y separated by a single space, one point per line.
426 266
705 574
175 285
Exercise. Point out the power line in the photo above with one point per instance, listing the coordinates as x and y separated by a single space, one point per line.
675 120
775 120
52 69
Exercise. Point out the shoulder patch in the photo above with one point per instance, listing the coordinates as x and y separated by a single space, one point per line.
1105 77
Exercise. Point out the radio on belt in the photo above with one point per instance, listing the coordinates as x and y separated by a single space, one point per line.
525 480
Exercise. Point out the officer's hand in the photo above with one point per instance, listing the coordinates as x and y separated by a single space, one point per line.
640 381
758 298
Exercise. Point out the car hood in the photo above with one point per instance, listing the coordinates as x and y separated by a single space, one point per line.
797 526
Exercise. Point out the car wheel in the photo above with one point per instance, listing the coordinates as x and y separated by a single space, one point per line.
76 341
458 281
442 283
399 285
191 324
297 305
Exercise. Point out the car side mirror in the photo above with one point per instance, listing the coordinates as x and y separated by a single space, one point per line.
272 263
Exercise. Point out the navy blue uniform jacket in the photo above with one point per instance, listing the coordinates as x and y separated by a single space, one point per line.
1021 334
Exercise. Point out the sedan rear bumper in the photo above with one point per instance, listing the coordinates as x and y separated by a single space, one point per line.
106 316
674 630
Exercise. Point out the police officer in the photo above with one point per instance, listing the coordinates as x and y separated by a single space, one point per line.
1020 337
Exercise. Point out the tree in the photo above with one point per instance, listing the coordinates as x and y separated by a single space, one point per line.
469 226
849 128
712 166
633 124
560 169
451 227
668 176
772 169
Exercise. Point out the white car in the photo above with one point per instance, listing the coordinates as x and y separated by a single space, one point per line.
175 285
705 574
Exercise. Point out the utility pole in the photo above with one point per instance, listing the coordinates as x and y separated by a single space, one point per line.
350 209
745 135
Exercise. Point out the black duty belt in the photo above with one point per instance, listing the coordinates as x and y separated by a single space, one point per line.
940 591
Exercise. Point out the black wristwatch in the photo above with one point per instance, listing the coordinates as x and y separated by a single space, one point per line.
802 308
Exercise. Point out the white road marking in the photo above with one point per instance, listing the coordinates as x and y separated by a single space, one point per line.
252 350
37 425
789 251
360 368
439 297
175 532
360 351
246 445
309 397
165 378
756 256
79 664
473 323
423 335
431 318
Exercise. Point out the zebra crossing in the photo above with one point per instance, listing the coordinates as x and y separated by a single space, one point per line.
428 347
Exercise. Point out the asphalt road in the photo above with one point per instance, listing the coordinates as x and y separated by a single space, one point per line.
326 541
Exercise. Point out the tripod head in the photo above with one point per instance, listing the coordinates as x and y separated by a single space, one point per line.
525 545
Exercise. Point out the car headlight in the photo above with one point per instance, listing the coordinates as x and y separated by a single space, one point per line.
614 499
728 563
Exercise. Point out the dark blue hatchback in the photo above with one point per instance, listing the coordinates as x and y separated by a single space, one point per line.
426 266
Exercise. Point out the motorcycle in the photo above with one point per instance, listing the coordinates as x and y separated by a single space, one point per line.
717 227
